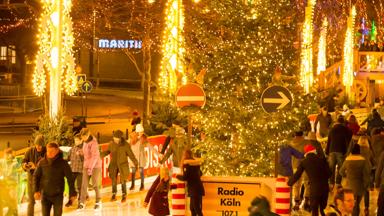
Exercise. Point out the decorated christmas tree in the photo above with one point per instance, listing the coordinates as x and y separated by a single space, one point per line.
245 47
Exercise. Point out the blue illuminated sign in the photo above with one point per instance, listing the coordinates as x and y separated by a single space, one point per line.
120 44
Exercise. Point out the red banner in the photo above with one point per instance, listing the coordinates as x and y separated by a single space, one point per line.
150 169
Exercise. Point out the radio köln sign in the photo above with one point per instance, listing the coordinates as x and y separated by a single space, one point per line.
120 44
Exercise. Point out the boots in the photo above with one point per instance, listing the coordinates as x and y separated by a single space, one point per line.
133 181
113 198
141 187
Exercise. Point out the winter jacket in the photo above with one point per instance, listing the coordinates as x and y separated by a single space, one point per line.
357 171
353 127
158 196
374 121
325 123
379 175
298 144
49 177
119 159
91 154
377 146
284 166
139 151
318 173
338 139
76 159
176 149
32 155
191 174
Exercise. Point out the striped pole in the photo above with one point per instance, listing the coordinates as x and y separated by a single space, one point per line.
178 197
283 196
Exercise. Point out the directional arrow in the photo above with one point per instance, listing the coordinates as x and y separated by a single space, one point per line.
283 101
87 87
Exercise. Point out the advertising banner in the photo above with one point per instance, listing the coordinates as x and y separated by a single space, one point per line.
232 196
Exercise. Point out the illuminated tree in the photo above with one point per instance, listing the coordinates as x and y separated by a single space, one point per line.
241 46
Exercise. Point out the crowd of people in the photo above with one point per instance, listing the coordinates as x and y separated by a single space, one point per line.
47 168
340 157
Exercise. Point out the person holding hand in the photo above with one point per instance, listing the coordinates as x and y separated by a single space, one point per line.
91 168
31 158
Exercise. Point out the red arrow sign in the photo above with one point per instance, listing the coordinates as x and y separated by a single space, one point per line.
190 95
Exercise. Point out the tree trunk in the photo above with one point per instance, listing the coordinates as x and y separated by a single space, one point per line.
146 78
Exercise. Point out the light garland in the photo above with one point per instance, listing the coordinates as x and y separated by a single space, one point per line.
55 55
306 70
172 65
348 52
322 55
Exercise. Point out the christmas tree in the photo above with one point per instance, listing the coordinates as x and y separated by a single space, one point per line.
245 47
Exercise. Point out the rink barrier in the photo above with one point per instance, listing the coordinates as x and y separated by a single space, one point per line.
178 197
283 196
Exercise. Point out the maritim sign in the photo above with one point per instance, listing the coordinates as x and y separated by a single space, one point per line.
120 44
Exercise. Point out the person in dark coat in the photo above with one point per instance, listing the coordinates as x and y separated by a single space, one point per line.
49 181
312 139
119 150
338 142
324 119
357 170
191 174
29 164
318 173
379 184
157 195
374 121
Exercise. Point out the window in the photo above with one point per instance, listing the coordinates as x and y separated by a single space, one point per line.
3 53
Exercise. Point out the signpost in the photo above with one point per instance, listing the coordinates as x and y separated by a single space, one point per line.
81 78
275 98
86 88
190 95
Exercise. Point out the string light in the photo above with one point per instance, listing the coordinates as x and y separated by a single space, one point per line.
322 55
172 64
55 54
348 52
307 49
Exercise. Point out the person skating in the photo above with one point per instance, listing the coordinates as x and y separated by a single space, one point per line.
30 161
91 168
318 173
119 149
138 141
49 181
191 174
76 159
357 170
157 195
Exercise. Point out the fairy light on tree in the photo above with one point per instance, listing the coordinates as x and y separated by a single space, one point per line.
322 55
348 53
55 56
306 70
172 64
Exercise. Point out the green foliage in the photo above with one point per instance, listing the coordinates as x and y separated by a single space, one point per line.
164 114
55 130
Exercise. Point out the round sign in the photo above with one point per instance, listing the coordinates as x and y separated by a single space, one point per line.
190 94
275 98
86 87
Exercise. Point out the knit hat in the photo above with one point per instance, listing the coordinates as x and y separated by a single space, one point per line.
39 140
118 134
309 148
139 128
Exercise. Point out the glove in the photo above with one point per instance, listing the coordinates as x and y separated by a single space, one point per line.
89 171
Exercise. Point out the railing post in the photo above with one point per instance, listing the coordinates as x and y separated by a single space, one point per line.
24 104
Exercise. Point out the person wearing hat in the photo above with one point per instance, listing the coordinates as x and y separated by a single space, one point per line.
318 173
29 164
260 207
138 142
119 149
